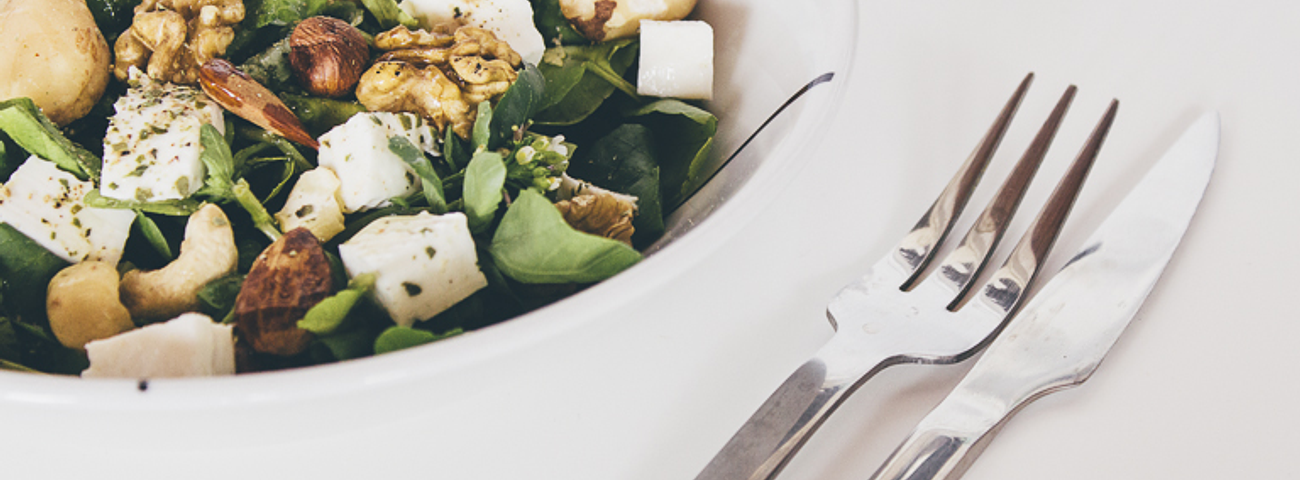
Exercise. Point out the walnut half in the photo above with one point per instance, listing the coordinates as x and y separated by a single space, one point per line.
441 77
171 39
600 213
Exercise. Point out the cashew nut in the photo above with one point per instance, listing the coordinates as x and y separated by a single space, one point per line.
208 253
82 304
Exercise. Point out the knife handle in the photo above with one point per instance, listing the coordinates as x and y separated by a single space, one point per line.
949 439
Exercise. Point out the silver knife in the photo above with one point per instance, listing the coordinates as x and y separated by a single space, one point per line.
1060 337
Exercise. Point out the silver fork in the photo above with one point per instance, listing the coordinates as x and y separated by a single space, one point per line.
895 315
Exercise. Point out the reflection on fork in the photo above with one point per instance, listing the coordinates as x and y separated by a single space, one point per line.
894 314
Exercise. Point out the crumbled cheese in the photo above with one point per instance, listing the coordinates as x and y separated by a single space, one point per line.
369 171
152 147
423 264
510 20
186 346
676 59
314 204
46 204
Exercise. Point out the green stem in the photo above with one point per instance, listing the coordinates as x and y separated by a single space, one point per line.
261 219
614 79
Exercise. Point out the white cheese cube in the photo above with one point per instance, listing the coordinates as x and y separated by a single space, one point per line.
187 346
510 20
676 59
152 147
370 173
423 264
314 203
46 205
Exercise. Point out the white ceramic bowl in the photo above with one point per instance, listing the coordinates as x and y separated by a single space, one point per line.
767 54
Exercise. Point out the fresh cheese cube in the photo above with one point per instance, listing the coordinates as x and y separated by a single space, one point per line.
314 203
187 346
423 264
370 173
510 20
676 59
46 204
152 147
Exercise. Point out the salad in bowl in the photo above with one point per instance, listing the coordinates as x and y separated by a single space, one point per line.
211 187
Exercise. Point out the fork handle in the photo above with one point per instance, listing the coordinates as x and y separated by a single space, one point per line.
772 435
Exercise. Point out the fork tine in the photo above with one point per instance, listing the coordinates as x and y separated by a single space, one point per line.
1009 284
965 263
917 248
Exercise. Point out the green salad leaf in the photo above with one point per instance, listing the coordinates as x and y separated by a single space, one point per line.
319 114
550 21
218 184
517 106
684 137
389 15
624 161
153 234
27 268
35 133
485 176
217 298
429 181
533 244
398 338
580 77
325 317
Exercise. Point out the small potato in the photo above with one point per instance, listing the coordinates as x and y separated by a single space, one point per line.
52 52
82 304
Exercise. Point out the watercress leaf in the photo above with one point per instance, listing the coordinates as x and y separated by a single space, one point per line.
218 162
517 106
112 16
481 136
217 298
271 67
351 344
429 181
398 338
320 114
325 317
484 178
684 137
550 21
453 151
10 348
533 244
27 268
35 133
580 77
624 161
389 15
175 208
153 234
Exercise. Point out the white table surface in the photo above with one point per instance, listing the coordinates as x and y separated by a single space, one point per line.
1199 387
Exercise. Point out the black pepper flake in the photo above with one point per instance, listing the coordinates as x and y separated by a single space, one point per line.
431 251
142 385
412 289
304 211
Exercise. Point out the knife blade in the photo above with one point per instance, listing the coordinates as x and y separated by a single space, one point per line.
1063 333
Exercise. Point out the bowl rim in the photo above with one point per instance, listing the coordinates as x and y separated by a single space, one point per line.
820 105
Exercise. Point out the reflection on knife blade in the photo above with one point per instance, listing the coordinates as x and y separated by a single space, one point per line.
1061 336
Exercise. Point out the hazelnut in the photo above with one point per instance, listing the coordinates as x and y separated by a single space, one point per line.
328 55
